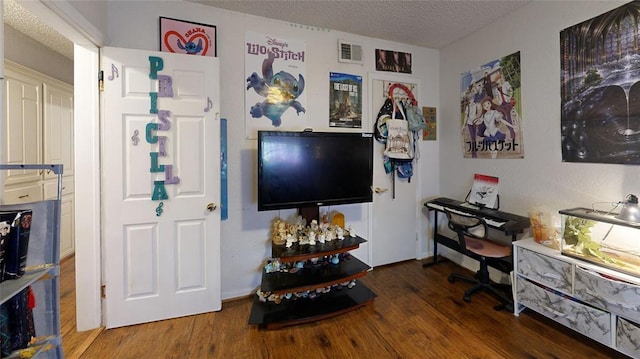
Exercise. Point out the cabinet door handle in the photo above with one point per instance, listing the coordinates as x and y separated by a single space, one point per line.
23 196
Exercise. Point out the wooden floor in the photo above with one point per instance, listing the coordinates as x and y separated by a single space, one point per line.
417 314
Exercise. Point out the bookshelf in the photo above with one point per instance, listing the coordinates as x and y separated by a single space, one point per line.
42 268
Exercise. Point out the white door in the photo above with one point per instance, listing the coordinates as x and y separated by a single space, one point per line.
160 185
394 236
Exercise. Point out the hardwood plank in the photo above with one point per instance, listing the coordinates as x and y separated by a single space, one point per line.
73 342
417 314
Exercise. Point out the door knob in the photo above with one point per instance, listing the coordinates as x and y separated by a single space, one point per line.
211 207
381 190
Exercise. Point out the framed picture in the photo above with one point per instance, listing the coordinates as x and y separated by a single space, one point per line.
186 37
393 61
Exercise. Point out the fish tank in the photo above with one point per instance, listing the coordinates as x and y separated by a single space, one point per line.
600 238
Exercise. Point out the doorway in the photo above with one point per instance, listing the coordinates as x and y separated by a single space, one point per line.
64 18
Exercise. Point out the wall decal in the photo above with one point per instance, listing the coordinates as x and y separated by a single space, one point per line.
114 73
162 124
134 138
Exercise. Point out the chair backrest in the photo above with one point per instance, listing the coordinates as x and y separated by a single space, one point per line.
467 226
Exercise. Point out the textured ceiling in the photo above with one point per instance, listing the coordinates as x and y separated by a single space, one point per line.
426 23
25 22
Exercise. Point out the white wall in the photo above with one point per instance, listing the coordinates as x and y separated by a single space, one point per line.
25 51
245 235
541 178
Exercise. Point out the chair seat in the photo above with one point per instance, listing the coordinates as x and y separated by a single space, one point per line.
487 248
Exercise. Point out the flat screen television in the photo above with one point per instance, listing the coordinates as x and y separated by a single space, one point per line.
312 169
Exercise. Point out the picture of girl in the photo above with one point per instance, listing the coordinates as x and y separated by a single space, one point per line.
492 117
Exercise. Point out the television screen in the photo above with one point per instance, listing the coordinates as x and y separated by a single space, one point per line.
305 169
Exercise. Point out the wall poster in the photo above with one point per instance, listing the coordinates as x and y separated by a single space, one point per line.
186 37
430 133
275 70
393 61
491 112
600 63
345 100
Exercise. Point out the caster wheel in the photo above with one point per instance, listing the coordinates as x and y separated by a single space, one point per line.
451 279
467 299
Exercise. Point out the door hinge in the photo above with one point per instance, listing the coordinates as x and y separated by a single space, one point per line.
101 81
103 291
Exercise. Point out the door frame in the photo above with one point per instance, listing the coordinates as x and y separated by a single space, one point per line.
65 19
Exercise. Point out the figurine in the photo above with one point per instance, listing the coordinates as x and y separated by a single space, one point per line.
330 235
339 232
290 240
300 223
314 225
352 233
312 238
321 238
279 233
268 268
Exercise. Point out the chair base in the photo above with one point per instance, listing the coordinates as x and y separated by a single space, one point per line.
483 283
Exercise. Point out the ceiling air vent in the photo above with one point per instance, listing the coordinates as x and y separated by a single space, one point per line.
349 52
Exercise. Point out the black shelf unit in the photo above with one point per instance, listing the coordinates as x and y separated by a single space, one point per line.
339 300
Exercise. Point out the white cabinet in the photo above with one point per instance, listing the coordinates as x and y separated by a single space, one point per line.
600 303
39 129
58 127
23 125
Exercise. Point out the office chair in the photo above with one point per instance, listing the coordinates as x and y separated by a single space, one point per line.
472 233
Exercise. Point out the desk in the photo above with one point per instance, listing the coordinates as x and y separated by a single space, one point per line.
509 223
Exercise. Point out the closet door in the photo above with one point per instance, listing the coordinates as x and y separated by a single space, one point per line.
23 111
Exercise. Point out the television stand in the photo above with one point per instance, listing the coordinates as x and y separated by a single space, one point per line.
302 295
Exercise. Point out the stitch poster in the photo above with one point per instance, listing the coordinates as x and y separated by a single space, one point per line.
275 71
491 112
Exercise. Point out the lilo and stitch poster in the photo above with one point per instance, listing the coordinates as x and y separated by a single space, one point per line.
275 70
